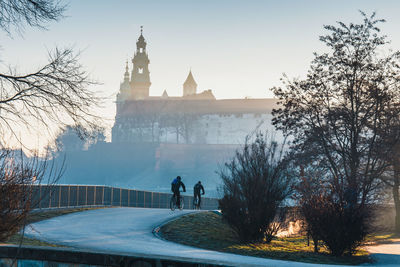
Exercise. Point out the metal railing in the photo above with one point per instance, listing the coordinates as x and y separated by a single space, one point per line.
64 196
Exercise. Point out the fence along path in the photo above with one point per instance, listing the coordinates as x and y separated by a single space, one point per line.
63 196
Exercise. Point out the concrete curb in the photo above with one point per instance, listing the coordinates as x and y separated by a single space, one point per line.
61 256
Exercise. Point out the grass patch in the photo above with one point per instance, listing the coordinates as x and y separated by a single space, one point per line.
16 240
37 216
207 230
382 238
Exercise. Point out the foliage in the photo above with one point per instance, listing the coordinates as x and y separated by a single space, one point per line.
256 182
336 116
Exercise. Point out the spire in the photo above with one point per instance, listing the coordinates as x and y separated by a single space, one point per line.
141 38
126 74
190 80
190 85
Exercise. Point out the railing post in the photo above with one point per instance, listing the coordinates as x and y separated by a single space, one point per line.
40 196
94 196
112 195
102 197
49 198
59 196
77 195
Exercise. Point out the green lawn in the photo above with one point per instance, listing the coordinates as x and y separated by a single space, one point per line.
207 230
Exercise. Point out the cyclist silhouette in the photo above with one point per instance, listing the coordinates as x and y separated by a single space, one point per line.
175 186
196 191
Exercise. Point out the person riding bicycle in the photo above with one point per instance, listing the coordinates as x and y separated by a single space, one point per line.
175 185
196 191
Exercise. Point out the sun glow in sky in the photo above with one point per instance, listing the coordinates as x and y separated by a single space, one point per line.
236 48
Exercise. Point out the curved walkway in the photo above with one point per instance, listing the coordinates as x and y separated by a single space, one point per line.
386 254
129 231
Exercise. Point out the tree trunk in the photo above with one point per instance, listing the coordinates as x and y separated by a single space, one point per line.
396 198
177 135
315 240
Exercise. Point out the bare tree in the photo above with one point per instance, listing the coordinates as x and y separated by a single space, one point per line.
18 176
182 119
55 94
391 154
335 116
395 185
15 14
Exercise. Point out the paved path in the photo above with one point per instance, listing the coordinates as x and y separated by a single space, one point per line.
386 254
129 230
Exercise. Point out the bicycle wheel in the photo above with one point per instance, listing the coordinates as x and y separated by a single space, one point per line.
195 203
172 203
181 203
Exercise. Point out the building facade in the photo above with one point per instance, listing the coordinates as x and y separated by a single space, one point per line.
193 118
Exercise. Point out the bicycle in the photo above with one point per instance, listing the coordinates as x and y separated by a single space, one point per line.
196 203
172 203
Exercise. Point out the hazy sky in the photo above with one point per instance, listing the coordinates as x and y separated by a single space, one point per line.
235 48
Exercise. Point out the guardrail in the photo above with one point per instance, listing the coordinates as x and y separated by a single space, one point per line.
70 257
64 196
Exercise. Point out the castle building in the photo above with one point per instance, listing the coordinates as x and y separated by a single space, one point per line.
193 118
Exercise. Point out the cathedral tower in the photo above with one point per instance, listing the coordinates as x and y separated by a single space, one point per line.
140 79
189 86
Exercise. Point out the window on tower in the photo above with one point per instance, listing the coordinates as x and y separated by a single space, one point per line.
140 70
141 50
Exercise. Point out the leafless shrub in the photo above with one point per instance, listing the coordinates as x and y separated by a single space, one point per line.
17 176
256 183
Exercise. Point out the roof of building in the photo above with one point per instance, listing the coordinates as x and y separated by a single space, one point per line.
205 95
190 80
177 105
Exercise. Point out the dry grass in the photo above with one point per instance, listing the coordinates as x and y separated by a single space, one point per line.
207 230
26 241
382 238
